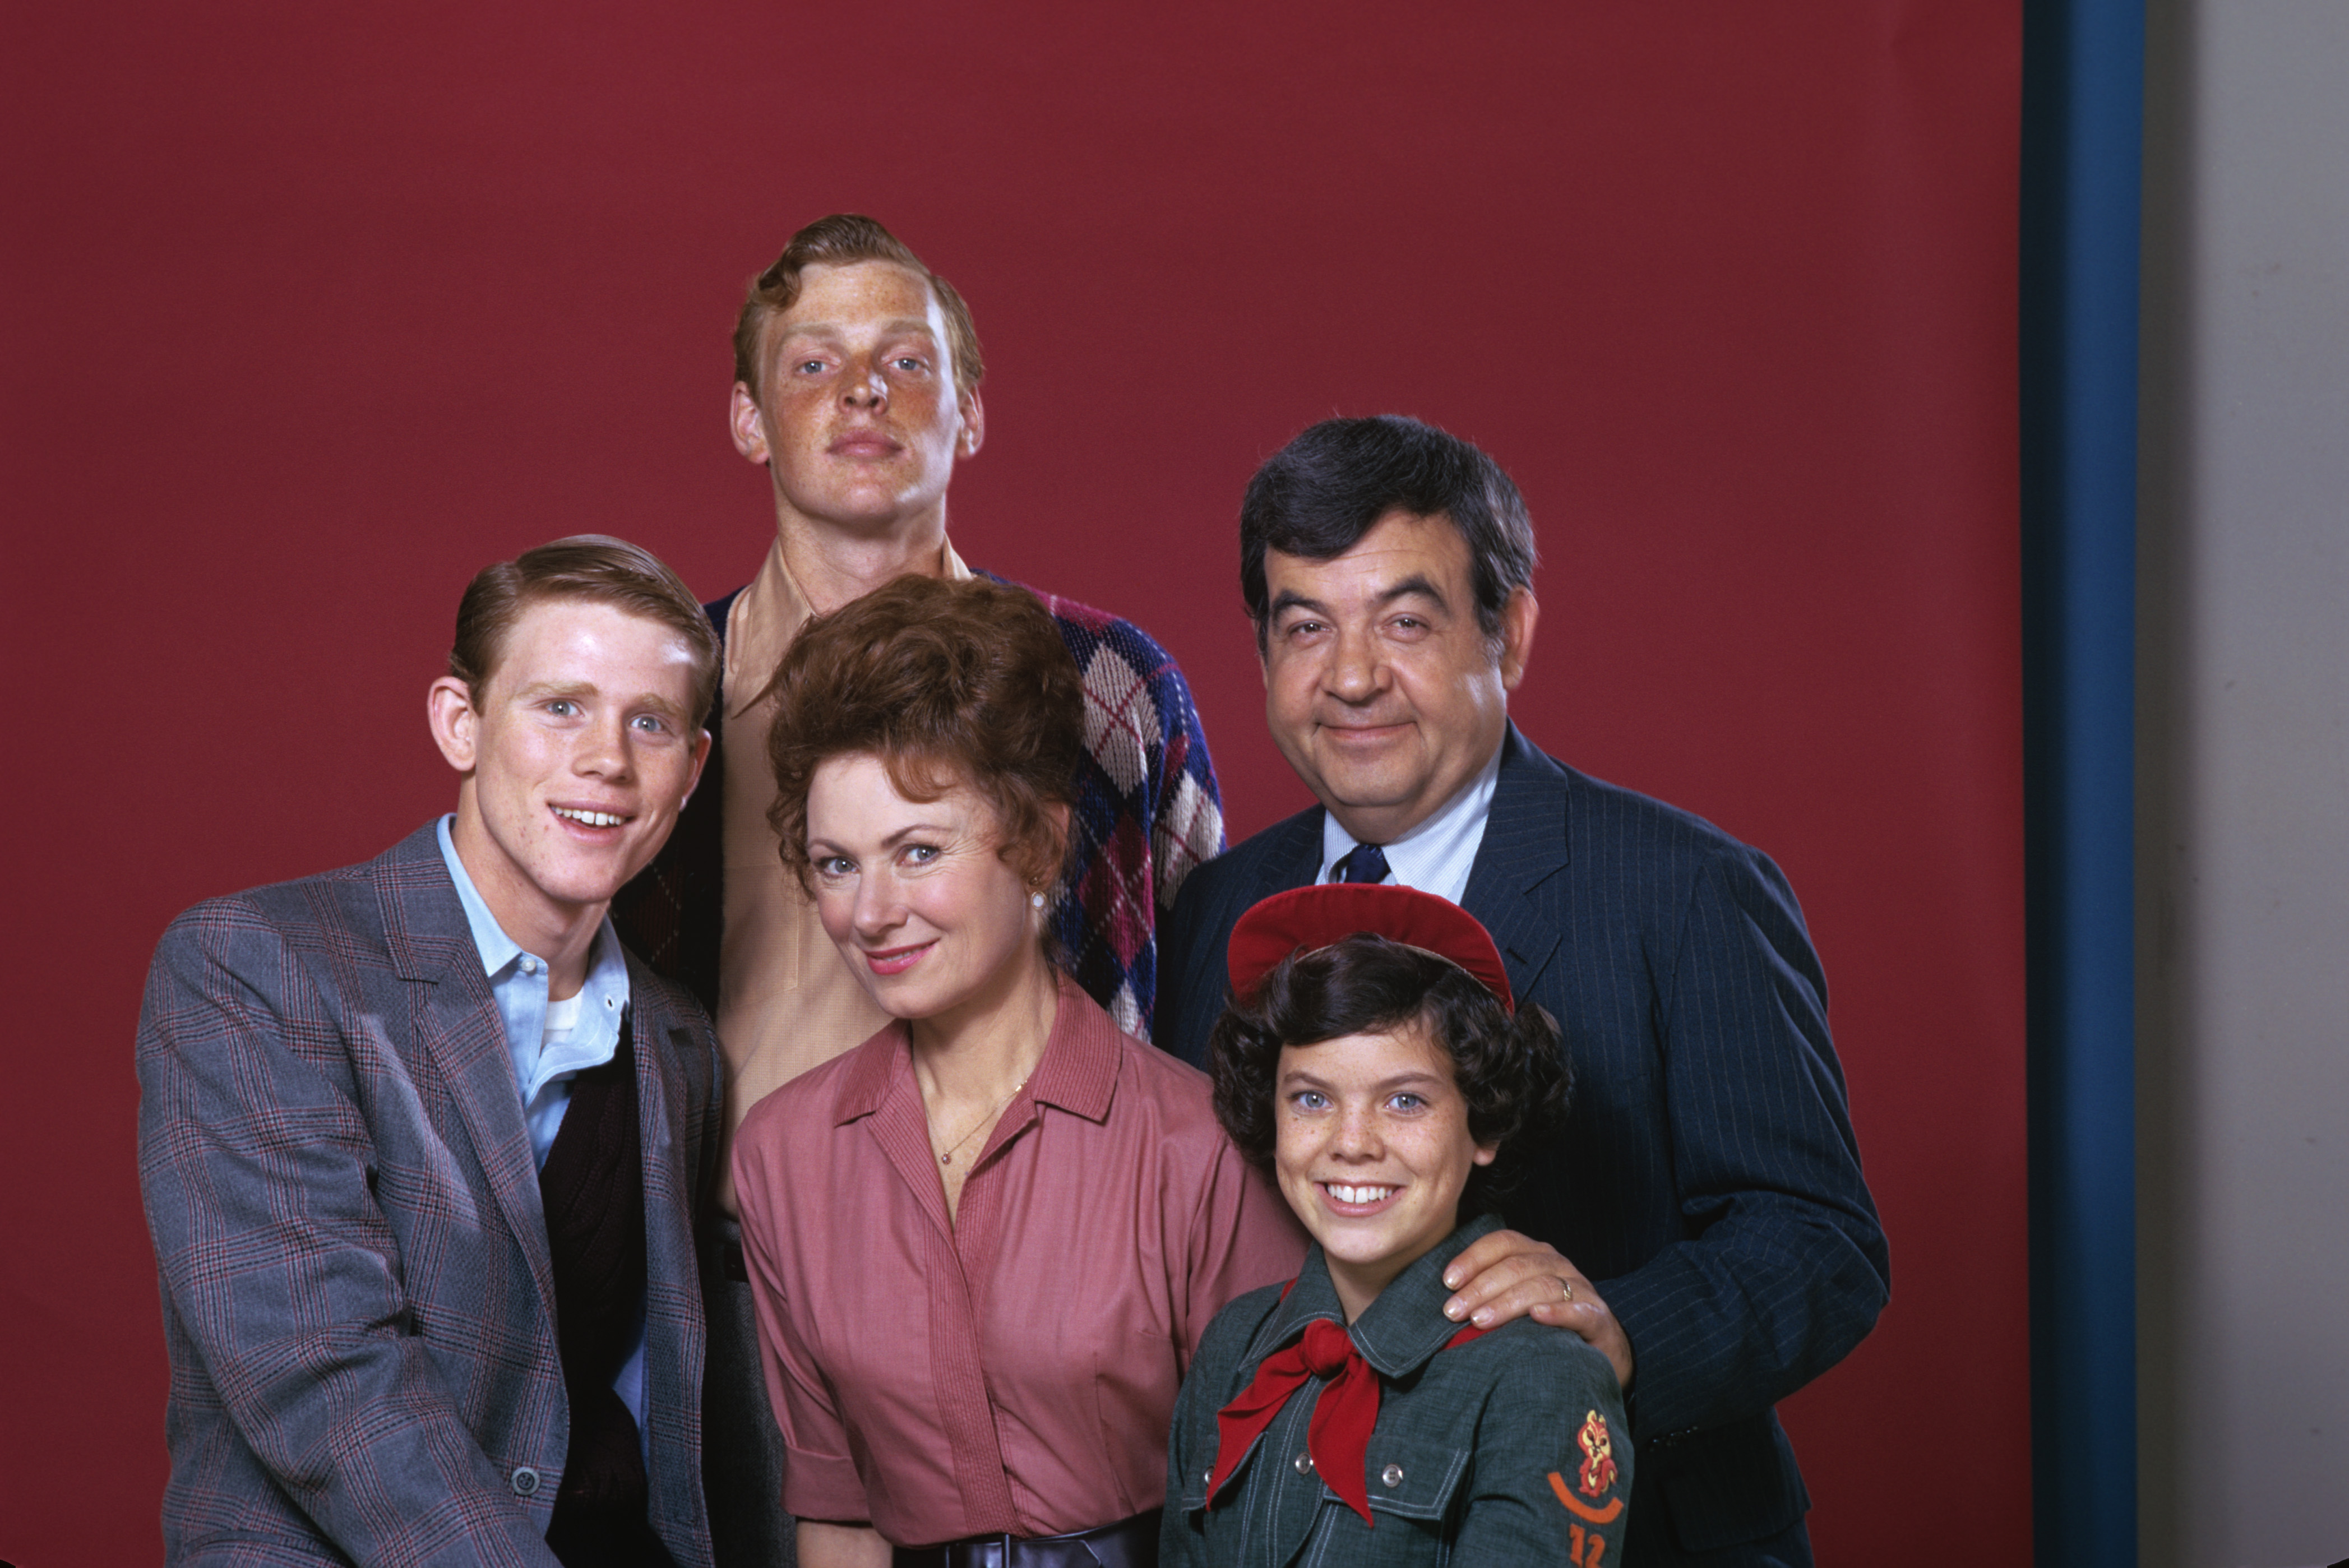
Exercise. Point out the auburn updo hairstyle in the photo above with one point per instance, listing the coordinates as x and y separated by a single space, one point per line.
947 683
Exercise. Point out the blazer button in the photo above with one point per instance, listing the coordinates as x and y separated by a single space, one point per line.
525 1480
1391 1475
1304 1463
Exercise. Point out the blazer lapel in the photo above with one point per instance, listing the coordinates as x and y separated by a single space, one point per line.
459 1030
673 1314
1511 886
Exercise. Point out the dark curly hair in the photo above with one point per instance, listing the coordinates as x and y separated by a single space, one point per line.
947 683
1510 1067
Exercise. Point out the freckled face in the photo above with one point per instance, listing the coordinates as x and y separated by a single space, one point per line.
913 892
577 761
856 416
1372 1151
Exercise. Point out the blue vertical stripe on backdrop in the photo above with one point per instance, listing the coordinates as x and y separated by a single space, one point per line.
2084 66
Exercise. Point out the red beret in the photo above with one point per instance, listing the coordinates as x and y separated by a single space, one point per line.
1305 918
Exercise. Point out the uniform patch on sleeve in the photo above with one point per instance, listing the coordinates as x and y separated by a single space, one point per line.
1597 1478
1594 1479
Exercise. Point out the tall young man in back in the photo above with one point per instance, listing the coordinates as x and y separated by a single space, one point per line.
856 386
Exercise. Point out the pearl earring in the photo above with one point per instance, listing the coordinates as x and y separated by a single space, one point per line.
1036 899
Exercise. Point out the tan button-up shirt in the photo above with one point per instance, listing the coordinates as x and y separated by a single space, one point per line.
786 1000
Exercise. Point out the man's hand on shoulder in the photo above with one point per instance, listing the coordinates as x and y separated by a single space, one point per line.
1507 1276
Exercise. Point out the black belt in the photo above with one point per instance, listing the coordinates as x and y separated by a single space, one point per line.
1130 1543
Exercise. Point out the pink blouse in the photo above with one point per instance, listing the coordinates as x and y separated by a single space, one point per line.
1014 1369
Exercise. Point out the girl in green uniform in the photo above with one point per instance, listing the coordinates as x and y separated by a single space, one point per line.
1373 1063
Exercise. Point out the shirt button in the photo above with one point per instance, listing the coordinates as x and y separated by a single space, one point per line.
1391 1475
529 967
1304 1463
525 1480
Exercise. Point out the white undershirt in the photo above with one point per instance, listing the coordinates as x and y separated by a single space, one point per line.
561 1018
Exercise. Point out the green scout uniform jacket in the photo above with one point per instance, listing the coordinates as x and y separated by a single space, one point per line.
1509 1449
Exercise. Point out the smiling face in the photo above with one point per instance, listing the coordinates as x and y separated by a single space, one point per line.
1372 1149
856 416
916 895
576 762
1381 688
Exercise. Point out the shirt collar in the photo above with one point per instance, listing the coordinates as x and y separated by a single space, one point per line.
520 993
497 949
1077 1073
1436 856
767 615
1398 1332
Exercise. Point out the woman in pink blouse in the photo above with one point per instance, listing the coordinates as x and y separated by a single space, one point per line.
984 1243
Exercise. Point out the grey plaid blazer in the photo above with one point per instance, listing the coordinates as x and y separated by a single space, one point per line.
358 1296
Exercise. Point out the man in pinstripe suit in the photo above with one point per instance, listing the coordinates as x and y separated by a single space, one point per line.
1723 1247
422 1143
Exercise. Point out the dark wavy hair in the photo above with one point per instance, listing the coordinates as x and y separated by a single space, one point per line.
947 683
1510 1067
1319 495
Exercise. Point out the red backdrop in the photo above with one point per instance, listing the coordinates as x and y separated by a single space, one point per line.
315 310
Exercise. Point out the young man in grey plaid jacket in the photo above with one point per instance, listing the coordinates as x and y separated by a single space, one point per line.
400 1121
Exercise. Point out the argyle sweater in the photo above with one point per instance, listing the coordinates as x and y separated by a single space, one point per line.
1146 813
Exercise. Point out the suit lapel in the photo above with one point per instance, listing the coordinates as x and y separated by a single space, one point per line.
1295 860
459 1030
1512 885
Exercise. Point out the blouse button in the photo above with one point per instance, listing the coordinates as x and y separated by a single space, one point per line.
1304 1463
1391 1475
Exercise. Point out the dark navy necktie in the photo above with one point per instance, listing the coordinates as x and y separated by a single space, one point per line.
1363 863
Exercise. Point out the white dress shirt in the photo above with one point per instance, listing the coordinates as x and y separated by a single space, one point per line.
1434 857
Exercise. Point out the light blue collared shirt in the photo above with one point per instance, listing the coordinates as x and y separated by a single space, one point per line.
1437 855
544 1068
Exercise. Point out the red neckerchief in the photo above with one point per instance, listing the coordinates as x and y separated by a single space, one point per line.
1340 1432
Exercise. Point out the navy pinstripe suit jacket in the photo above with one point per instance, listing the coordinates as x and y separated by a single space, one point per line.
1708 1180
358 1298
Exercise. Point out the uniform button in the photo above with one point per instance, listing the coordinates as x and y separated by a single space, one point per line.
1208 1477
1304 1463
525 1480
1391 1475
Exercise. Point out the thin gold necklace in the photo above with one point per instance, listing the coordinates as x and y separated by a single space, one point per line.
985 1116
